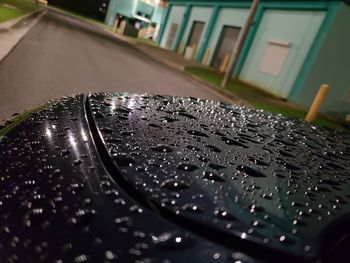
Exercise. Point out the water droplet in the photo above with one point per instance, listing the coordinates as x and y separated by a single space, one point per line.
34 217
188 115
123 221
161 148
191 147
216 166
169 119
250 171
187 167
192 208
81 258
174 184
82 217
230 141
173 240
123 159
284 239
106 130
77 162
213 148
197 133
223 213
213 176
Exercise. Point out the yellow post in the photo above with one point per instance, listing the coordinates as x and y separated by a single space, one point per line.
322 92
194 48
115 25
180 48
224 63
206 56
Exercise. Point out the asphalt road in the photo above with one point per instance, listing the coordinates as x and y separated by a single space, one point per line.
62 56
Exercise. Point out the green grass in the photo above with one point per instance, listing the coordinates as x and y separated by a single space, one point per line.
144 41
22 7
214 78
294 113
19 119
256 97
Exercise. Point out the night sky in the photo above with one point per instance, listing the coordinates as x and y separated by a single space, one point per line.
93 8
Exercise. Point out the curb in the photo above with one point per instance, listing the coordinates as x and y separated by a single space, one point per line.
137 47
28 16
235 99
13 23
180 68
39 13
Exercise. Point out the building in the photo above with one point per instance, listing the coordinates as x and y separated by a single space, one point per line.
136 17
292 46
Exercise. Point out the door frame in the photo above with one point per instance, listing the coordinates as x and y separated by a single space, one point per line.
191 31
219 41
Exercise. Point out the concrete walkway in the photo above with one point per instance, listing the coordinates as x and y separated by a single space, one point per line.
170 58
13 30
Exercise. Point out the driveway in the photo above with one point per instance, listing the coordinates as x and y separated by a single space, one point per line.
62 56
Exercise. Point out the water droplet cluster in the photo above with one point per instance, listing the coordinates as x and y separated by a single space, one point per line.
59 204
256 176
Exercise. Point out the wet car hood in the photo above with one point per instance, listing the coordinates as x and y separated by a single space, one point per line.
138 177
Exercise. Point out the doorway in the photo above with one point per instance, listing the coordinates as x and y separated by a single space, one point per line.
227 41
171 36
195 36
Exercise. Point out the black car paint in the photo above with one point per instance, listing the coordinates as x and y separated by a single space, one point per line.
138 177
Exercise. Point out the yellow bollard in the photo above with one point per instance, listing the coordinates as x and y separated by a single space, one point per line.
115 25
206 57
224 63
322 92
194 48
180 48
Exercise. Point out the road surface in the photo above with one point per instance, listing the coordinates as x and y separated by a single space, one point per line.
62 56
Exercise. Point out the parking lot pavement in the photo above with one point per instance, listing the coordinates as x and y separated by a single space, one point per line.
62 55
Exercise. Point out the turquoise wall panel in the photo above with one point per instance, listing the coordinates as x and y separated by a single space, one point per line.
126 7
144 8
158 14
110 16
182 27
163 24
175 16
229 17
332 66
299 28
201 14
121 7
